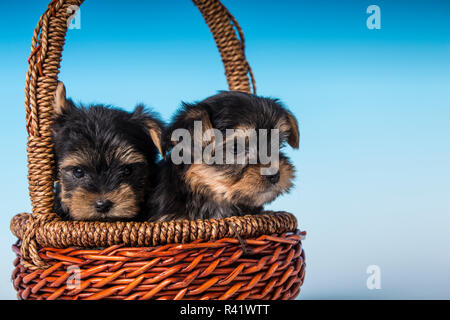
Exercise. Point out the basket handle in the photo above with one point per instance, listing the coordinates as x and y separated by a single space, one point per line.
42 76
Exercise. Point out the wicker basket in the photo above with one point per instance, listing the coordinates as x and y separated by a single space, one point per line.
199 259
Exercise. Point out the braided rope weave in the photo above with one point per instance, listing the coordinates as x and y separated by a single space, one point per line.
46 241
89 234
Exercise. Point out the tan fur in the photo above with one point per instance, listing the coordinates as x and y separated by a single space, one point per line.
206 126
201 115
59 103
126 155
253 186
82 204
155 134
125 202
283 125
205 179
241 132
73 160
289 125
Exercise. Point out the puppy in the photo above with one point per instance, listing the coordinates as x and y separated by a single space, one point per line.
192 189
105 160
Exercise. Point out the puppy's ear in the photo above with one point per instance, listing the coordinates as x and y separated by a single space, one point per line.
197 113
154 127
155 131
294 134
187 117
60 105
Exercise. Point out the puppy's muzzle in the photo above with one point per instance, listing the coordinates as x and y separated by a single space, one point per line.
103 206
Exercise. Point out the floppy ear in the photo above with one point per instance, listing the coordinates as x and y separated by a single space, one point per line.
59 105
186 119
294 134
153 125
197 113
155 130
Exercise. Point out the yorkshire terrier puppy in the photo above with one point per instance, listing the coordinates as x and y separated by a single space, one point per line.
213 187
105 160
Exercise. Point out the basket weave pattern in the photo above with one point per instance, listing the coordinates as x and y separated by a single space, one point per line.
143 260
273 268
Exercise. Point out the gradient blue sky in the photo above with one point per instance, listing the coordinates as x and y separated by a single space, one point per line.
373 182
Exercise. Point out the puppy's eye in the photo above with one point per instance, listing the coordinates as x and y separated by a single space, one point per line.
78 172
127 170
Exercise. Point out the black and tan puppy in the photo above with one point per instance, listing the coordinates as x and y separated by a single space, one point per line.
105 160
212 187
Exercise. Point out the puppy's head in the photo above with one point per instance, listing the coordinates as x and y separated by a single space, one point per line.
105 159
243 128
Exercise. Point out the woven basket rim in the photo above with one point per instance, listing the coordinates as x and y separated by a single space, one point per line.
58 233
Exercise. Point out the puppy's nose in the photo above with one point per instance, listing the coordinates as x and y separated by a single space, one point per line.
274 178
103 206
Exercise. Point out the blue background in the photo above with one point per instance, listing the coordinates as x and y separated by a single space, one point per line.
373 182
